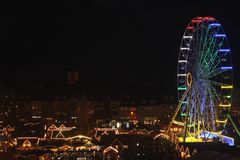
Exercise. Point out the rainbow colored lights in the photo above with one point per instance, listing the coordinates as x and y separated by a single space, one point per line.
204 78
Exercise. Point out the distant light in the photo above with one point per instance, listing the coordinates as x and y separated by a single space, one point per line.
35 117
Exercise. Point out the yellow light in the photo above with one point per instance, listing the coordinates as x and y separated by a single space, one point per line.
190 139
189 79
131 113
225 105
224 121
226 87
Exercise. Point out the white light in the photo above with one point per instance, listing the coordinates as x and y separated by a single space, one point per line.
184 48
36 117
182 75
182 61
185 37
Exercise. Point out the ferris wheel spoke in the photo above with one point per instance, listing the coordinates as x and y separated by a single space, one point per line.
214 61
213 107
206 53
209 66
211 53
201 41
217 71
215 83
215 93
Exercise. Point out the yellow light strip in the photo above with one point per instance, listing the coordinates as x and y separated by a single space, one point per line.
218 121
225 105
226 87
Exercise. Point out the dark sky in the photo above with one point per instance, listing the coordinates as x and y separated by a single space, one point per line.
112 43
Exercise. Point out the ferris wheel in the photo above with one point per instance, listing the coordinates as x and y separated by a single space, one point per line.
204 77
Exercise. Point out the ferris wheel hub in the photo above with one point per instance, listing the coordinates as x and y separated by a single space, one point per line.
189 79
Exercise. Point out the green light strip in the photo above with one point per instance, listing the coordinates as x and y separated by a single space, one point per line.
184 102
227 96
182 88
183 114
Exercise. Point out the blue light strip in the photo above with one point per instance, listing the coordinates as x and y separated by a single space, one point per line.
214 25
226 68
220 35
224 50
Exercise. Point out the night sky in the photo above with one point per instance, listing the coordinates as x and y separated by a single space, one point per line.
112 43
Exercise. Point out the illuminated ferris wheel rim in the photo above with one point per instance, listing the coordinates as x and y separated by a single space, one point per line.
204 63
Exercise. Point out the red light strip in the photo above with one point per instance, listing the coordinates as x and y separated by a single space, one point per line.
209 18
196 21
190 28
